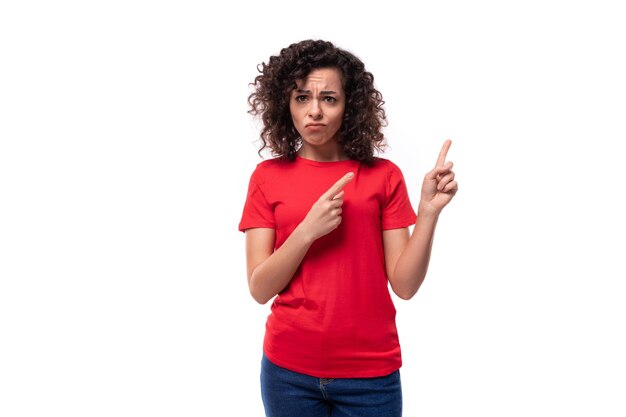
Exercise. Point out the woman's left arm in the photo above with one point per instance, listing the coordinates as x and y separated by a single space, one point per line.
407 258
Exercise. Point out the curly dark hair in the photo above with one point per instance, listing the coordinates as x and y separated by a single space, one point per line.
364 116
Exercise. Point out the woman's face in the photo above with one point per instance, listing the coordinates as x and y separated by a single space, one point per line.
317 106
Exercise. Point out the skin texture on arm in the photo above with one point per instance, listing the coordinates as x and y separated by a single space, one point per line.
407 258
270 271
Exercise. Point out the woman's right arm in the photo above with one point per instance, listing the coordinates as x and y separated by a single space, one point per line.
270 271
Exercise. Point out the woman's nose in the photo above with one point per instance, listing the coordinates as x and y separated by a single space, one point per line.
314 110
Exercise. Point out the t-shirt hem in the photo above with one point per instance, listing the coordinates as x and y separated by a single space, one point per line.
404 223
244 227
324 374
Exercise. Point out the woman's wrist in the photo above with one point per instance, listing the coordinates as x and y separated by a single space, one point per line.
301 234
424 211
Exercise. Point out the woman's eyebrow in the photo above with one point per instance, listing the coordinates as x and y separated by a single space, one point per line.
325 92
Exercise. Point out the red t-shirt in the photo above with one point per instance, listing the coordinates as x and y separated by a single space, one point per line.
336 318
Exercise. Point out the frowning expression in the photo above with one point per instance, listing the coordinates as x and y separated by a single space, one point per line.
317 106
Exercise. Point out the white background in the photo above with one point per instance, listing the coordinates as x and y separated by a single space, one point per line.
125 155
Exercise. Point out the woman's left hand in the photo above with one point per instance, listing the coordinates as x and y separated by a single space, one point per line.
439 186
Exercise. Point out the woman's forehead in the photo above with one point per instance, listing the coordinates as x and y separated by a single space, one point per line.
322 78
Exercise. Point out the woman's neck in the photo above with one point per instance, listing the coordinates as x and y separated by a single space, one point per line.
330 154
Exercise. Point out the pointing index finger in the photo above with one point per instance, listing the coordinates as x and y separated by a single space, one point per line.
443 153
336 188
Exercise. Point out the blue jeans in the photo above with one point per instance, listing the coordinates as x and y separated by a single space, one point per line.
291 394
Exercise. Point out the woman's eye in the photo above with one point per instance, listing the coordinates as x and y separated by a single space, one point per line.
301 98
330 99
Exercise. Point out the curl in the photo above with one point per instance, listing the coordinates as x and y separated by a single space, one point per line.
364 117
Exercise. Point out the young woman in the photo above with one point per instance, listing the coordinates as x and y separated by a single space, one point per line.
326 225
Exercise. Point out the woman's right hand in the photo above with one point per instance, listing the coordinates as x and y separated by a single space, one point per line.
325 215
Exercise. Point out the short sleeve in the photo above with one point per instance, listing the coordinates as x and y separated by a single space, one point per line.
256 211
397 210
